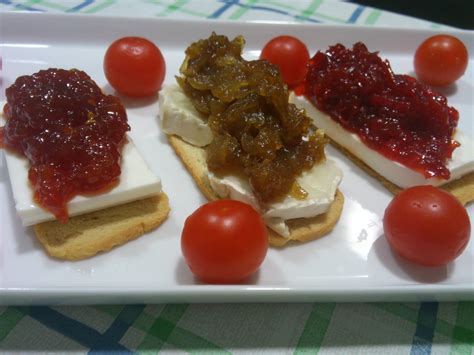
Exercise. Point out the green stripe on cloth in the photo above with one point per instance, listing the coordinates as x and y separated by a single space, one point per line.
192 343
31 2
165 330
315 329
163 326
192 12
373 17
144 322
150 345
400 310
463 332
100 6
466 315
444 328
242 10
111 310
174 312
173 7
311 8
330 18
8 320
458 333
278 4
52 5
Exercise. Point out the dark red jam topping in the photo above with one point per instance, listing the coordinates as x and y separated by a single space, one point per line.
395 115
71 133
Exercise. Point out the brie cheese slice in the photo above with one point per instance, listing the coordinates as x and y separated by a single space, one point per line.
320 183
461 162
178 116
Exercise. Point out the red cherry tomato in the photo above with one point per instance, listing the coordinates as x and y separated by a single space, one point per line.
441 60
290 55
134 66
427 225
224 241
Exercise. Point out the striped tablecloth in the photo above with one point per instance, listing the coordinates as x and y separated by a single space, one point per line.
395 328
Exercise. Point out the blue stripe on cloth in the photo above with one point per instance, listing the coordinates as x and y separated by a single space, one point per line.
73 329
308 19
355 15
117 329
426 322
227 4
80 6
20 6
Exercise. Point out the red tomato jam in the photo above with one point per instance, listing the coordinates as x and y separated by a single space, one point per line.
71 133
395 115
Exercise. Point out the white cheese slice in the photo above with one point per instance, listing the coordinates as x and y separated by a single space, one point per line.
178 116
320 183
137 181
234 188
461 163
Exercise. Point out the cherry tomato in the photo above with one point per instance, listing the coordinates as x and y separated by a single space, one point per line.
441 60
290 55
427 225
224 241
134 66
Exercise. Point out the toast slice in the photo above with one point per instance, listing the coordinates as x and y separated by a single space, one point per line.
88 234
462 188
301 229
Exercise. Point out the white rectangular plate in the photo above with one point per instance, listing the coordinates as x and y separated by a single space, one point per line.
353 263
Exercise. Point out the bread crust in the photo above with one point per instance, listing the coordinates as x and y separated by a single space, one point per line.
86 235
301 229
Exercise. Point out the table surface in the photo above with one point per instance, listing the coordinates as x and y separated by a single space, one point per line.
365 328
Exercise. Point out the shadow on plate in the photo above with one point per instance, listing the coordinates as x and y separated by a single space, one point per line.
184 276
24 237
366 184
447 91
131 102
405 269
162 138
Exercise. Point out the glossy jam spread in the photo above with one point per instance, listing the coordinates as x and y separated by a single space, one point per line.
257 133
394 114
71 133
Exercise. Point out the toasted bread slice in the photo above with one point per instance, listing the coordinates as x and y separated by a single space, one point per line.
462 189
301 229
86 235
